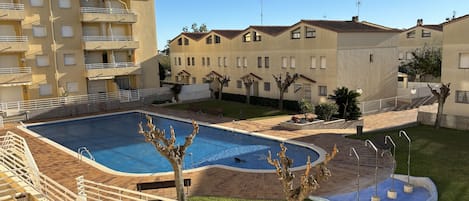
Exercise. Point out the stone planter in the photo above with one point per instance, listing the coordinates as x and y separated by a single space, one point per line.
392 194
408 188
375 198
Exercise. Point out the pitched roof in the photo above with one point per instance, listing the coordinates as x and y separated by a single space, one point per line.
271 30
438 27
251 75
228 33
194 35
456 19
346 26
213 73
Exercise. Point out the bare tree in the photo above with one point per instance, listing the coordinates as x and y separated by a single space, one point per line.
441 98
283 84
248 81
170 150
308 182
222 81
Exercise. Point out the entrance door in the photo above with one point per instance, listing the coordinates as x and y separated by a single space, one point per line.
8 94
255 89
307 92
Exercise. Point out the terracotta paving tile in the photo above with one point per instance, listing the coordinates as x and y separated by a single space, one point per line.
64 168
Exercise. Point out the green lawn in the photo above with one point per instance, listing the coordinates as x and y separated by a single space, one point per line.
442 155
233 109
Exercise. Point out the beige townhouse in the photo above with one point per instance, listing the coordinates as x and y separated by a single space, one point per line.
455 70
326 54
74 47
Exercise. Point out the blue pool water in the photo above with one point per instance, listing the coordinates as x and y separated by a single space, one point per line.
115 143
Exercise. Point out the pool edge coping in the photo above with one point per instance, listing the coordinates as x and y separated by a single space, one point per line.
321 152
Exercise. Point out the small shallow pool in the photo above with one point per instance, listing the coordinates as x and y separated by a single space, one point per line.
114 142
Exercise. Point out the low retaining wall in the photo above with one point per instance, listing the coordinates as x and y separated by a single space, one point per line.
321 124
447 121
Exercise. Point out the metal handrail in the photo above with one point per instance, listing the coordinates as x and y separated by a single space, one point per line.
107 38
369 143
15 70
110 65
13 38
82 150
12 6
106 10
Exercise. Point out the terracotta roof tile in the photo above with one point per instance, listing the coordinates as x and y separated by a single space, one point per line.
346 26
271 30
438 27
228 33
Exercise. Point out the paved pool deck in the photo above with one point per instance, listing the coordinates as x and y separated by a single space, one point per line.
64 167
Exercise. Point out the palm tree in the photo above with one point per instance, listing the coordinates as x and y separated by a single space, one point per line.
347 100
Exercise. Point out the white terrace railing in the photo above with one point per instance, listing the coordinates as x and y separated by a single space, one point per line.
13 39
15 70
107 38
11 6
106 10
110 65
380 105
98 191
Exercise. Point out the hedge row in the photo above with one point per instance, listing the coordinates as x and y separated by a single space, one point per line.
256 100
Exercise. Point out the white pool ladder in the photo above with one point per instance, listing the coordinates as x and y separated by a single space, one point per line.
84 150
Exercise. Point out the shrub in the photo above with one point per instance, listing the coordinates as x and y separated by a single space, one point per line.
305 107
326 110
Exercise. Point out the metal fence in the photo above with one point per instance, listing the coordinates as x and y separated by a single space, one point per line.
381 105
11 6
106 10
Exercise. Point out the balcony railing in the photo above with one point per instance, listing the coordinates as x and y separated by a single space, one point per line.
11 6
110 65
107 38
13 39
15 70
106 10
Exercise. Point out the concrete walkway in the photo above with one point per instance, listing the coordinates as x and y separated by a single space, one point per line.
64 168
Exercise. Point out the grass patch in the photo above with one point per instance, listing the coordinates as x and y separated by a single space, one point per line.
232 109
441 154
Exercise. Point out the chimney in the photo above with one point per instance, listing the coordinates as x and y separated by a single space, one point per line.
419 22
354 18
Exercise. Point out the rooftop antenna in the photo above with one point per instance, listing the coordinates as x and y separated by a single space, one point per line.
262 15
358 7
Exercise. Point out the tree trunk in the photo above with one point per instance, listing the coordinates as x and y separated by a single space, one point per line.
248 95
439 113
220 92
280 100
179 181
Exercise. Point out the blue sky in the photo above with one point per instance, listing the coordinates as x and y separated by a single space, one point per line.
173 15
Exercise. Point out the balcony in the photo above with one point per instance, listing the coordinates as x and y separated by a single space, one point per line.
11 11
92 14
109 42
15 76
111 70
13 44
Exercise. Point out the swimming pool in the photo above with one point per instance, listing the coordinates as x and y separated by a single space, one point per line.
115 143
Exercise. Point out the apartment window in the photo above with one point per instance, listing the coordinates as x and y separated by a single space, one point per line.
238 62
180 41
266 86
461 97
426 33
297 87
186 41
296 34
179 61
312 62
323 62
193 61
175 61
266 62
194 80
310 32
42 60
203 61
69 59
36 3
39 31
322 90
65 4
208 61
217 39
411 34
292 62
372 58
257 37
208 40
284 62
247 37
401 55
67 31
45 89
188 61
239 84
225 84
245 62
225 61
259 62
464 60
219 61
72 86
